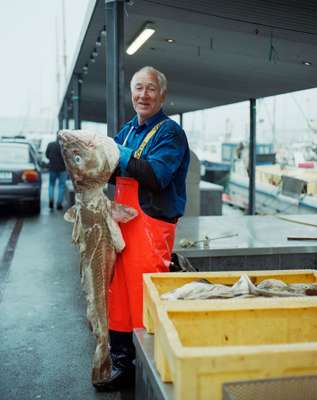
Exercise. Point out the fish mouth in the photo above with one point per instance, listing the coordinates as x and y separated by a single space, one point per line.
78 180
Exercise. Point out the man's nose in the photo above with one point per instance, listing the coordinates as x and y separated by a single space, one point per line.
144 92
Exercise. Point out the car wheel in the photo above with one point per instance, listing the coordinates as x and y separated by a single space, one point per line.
36 206
33 207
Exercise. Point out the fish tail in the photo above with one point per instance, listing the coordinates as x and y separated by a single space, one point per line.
102 364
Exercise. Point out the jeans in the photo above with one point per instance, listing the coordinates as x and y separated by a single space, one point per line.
53 176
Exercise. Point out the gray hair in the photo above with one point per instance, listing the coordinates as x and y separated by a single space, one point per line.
160 77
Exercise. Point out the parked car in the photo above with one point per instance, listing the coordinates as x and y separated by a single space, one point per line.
20 174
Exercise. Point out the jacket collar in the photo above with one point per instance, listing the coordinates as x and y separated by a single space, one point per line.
150 121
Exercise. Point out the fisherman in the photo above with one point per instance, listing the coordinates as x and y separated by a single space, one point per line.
154 158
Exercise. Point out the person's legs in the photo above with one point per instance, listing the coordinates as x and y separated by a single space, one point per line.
120 334
51 187
62 176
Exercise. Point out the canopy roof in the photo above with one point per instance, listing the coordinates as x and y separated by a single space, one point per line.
224 51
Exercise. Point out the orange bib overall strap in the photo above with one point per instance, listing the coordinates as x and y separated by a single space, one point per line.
149 244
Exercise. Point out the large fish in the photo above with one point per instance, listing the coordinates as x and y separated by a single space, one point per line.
90 161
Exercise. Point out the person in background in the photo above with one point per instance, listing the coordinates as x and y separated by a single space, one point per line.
57 171
154 159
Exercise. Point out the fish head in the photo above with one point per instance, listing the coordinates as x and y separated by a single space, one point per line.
90 158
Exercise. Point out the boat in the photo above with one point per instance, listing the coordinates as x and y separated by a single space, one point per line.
218 159
279 188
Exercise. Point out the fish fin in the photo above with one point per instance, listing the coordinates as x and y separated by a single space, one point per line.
70 214
121 213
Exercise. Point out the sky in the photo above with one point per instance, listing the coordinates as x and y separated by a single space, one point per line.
28 78
28 49
286 118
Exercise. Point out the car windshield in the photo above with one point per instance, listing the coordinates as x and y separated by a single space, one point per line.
14 153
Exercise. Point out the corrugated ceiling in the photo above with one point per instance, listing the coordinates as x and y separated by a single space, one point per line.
224 51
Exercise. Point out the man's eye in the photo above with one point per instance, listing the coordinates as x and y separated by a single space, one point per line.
77 159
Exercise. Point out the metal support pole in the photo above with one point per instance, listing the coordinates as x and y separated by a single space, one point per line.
252 157
60 121
65 114
76 101
114 65
181 119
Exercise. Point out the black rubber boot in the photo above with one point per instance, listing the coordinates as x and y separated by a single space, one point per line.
123 362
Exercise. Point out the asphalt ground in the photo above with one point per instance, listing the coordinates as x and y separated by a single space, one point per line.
45 344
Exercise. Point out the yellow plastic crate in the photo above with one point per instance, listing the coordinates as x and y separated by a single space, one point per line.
200 349
156 284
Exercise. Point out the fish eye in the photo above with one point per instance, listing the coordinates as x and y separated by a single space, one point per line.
77 159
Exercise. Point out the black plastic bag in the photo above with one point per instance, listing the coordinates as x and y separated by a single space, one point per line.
180 263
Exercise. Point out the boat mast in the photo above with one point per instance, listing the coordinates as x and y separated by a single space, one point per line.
64 41
274 124
58 75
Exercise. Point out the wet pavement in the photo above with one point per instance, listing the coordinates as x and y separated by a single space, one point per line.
45 344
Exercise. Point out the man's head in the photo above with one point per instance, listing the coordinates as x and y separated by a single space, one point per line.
148 91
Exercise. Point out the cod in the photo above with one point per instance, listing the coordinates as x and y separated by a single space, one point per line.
90 161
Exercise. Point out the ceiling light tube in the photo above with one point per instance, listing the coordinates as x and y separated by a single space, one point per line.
104 31
141 38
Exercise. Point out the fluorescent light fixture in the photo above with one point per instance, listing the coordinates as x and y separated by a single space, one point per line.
141 38
104 31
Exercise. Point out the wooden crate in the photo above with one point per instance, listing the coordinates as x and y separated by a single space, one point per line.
156 284
203 347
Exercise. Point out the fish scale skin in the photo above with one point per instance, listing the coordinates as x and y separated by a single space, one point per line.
98 260
90 161
100 256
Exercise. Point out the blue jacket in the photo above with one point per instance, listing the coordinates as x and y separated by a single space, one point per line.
167 152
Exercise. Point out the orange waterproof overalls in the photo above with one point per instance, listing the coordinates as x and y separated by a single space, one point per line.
149 244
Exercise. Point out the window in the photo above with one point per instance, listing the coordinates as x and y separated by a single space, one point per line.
14 153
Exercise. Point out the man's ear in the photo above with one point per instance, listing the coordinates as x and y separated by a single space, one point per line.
163 97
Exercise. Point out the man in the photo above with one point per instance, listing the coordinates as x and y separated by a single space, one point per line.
154 158
57 171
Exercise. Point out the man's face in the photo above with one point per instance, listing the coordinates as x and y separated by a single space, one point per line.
146 95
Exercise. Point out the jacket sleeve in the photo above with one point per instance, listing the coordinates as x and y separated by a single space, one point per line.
142 171
47 152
